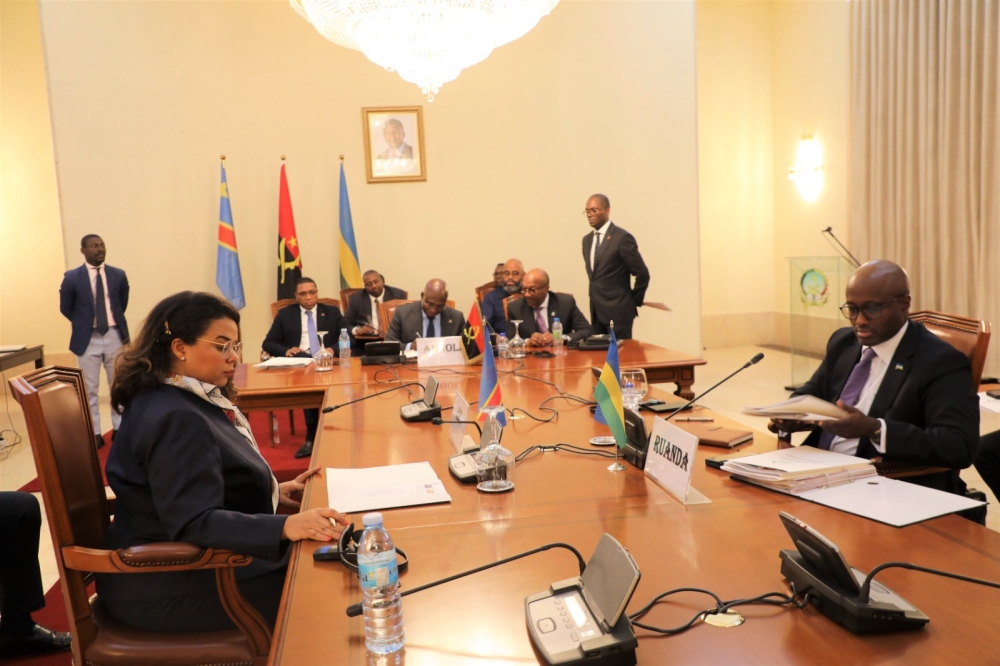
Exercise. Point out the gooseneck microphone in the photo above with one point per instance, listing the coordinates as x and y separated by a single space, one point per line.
327 410
437 420
753 361
854 260
356 609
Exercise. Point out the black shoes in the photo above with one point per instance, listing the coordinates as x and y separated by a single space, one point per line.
305 450
98 440
40 640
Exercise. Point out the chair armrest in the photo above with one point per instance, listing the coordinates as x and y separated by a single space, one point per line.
159 557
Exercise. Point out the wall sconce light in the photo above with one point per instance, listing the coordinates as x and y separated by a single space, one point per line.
807 174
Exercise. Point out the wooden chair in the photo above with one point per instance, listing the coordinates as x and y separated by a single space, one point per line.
484 289
346 294
278 305
967 335
509 299
57 413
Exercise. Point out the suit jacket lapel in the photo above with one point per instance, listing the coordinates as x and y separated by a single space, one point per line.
588 242
602 248
896 373
84 277
553 310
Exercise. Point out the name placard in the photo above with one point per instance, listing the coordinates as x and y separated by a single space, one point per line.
434 352
670 461
456 431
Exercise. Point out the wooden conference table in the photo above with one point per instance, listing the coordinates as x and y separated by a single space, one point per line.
294 388
729 546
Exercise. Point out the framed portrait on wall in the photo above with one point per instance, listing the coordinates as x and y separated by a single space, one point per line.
394 144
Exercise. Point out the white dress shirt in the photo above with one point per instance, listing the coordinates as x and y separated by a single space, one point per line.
92 271
593 246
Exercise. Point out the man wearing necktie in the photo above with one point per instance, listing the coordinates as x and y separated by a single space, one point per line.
429 318
612 258
909 395
539 309
94 298
296 331
361 315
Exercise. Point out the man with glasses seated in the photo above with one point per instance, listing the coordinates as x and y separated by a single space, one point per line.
492 308
539 308
296 332
909 395
430 318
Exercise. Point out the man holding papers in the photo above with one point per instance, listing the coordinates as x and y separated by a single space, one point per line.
908 395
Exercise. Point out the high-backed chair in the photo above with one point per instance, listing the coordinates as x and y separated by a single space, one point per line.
484 289
278 305
345 294
507 301
967 335
54 401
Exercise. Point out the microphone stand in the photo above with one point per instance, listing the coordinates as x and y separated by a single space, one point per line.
756 359
327 410
853 259
437 420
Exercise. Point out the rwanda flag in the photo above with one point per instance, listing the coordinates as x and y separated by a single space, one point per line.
489 388
350 266
608 394
227 262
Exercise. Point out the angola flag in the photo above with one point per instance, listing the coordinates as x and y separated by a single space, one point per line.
289 260
608 394
473 336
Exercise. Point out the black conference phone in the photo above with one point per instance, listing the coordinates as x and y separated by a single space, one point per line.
593 343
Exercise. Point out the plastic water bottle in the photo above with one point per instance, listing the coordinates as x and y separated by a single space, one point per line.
344 344
383 609
557 336
502 346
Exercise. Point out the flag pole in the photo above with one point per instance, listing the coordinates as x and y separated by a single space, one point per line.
617 466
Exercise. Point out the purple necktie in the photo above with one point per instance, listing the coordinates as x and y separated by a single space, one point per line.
852 389
543 326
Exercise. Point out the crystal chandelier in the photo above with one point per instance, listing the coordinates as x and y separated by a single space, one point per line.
428 42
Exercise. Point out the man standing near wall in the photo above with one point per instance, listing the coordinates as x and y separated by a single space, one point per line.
94 297
612 257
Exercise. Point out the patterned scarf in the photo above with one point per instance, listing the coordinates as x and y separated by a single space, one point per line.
213 394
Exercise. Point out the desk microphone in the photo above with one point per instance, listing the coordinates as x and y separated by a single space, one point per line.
854 260
437 420
327 410
754 360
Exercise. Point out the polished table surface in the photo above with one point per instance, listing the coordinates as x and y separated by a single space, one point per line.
27 355
729 546
288 388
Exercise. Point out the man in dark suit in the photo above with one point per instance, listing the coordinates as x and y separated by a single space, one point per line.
612 258
94 298
540 307
362 314
296 332
430 318
21 581
909 395
492 307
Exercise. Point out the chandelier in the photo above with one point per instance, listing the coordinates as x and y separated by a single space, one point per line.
428 42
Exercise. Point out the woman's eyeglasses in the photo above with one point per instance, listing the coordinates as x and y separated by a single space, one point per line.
227 349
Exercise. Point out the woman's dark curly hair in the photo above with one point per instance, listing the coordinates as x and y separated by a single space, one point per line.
145 362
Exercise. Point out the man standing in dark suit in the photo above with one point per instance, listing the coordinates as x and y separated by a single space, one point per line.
430 318
539 309
94 298
908 394
362 310
21 581
612 257
296 331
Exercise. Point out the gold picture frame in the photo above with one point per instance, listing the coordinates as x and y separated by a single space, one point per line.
394 144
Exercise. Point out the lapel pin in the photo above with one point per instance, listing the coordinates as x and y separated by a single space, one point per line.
899 366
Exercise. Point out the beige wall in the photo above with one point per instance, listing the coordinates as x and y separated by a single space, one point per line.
769 71
599 97
31 263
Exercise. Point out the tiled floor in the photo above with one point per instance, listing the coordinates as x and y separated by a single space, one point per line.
758 385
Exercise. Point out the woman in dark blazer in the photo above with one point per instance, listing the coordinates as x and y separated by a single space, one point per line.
185 467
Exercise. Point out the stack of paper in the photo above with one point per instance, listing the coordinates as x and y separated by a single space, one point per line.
284 362
387 487
799 408
797 470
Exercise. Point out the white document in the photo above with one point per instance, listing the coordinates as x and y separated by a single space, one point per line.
657 306
985 402
890 501
670 461
795 462
284 362
799 408
434 352
4 349
386 487
456 431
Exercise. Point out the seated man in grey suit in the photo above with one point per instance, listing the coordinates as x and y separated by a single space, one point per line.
539 308
430 318
362 314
